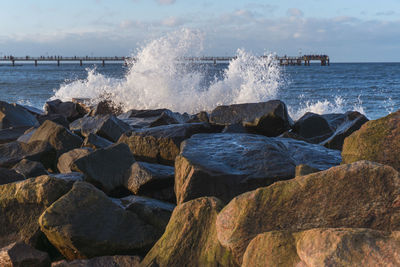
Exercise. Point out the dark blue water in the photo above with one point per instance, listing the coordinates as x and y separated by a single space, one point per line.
373 88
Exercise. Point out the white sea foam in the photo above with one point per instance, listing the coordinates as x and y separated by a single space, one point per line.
160 79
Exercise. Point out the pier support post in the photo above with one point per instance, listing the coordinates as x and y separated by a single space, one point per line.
103 63
80 62
58 63
35 63
13 62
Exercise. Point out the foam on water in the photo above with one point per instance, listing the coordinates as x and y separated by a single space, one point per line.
159 78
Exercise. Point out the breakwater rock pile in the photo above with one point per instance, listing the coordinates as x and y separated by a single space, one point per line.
242 185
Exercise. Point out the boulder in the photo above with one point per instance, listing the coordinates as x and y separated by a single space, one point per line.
13 116
161 144
152 180
106 107
324 247
351 122
226 165
85 223
268 118
202 116
376 140
152 118
57 118
106 168
190 238
21 204
69 177
304 169
14 152
106 126
68 110
9 176
235 128
94 141
359 195
313 127
66 160
151 211
27 135
11 134
104 261
19 254
28 168
58 136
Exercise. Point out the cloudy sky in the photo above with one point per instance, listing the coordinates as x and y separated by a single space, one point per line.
346 30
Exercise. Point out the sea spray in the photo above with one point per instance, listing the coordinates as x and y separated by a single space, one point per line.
161 78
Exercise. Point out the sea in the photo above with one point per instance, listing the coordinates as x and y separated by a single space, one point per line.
159 78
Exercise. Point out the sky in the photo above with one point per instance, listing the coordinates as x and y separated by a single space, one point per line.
346 30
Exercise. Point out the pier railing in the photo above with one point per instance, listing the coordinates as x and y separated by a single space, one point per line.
285 60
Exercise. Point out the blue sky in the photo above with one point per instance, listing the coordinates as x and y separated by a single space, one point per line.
352 30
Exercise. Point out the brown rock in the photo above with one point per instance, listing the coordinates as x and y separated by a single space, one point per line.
304 169
94 141
22 255
105 261
66 160
9 176
359 195
324 247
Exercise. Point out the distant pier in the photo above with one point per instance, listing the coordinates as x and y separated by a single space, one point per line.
284 61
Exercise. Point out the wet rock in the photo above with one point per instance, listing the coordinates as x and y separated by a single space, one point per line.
11 134
69 177
202 116
235 128
190 238
21 204
376 140
226 165
60 138
151 211
152 180
106 126
106 107
22 255
313 127
28 168
14 152
9 176
27 135
85 223
68 110
34 111
351 122
94 141
268 118
152 118
106 168
105 261
304 169
13 116
359 195
57 118
65 160
161 144
324 247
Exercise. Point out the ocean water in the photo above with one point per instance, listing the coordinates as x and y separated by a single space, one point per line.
159 79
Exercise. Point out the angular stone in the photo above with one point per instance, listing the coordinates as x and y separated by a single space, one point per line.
85 223
161 144
14 152
152 180
359 195
13 115
106 126
21 204
106 107
27 135
352 121
58 136
28 168
104 261
190 238
22 255
94 141
66 160
11 134
268 118
304 169
313 127
376 140
324 247
226 165
69 177
152 118
68 110
57 118
9 176
106 167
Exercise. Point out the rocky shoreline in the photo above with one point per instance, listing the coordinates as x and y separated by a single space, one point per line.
243 185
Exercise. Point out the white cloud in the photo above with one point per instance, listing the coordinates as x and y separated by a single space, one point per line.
166 2
294 12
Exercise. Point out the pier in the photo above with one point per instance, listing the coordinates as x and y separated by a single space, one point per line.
284 61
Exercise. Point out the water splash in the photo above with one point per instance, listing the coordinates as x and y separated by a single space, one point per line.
159 78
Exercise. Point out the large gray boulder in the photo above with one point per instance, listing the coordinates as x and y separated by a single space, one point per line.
13 115
19 254
9 176
226 165
69 110
11 134
152 118
66 160
28 168
94 141
268 118
85 223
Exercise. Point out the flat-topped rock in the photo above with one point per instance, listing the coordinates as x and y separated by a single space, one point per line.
268 118
66 160
313 127
28 168
19 254
358 195
94 141
69 110
161 144
226 165
14 115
